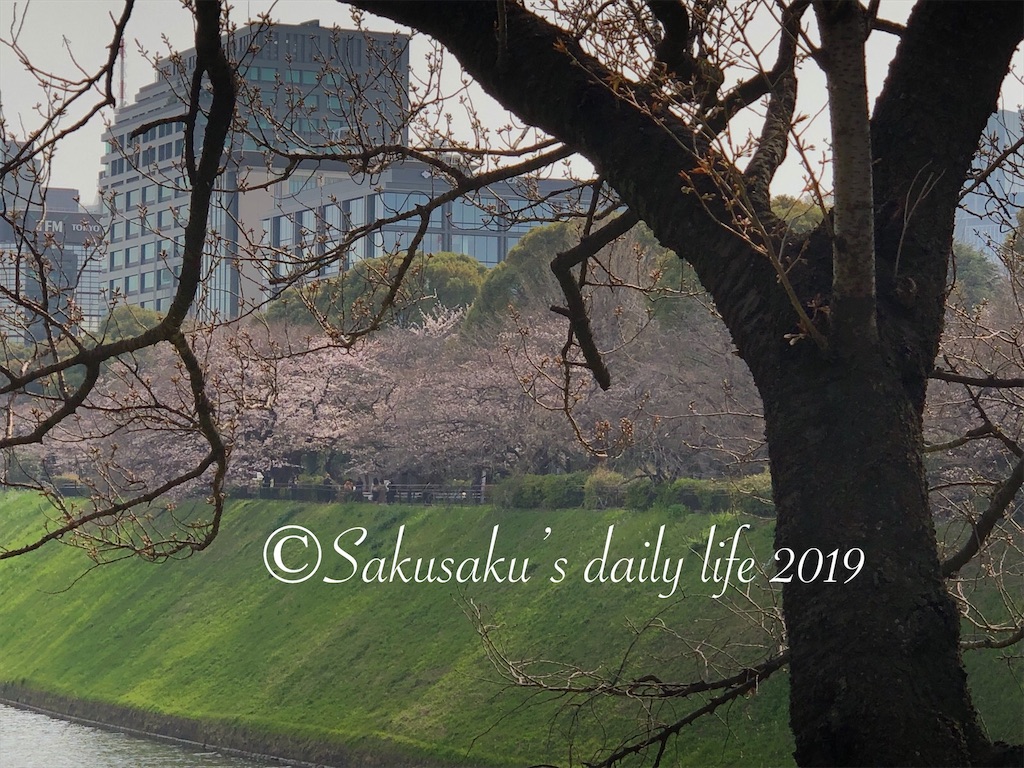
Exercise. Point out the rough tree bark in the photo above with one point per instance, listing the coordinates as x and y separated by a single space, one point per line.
876 675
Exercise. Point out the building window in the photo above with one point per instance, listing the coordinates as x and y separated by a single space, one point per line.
466 215
396 203
116 260
354 49
298 183
305 235
355 213
285 233
483 248
148 252
129 257
333 229
163 219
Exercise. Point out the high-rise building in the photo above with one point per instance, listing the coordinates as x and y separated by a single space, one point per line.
302 88
987 213
50 250
49 266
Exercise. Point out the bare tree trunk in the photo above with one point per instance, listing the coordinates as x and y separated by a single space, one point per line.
861 652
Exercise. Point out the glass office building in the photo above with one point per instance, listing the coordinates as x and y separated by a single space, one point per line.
302 88
311 223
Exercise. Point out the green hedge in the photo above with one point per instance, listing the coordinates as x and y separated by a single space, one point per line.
750 495
541 491
605 489
640 493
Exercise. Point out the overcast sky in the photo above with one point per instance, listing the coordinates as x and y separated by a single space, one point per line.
52 30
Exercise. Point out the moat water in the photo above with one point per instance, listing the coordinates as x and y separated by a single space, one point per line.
33 740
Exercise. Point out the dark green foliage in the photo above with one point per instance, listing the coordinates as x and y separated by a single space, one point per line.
450 280
801 214
640 493
563 491
750 495
517 492
975 276
695 495
126 321
525 276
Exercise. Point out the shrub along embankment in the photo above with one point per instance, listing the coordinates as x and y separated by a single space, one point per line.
214 649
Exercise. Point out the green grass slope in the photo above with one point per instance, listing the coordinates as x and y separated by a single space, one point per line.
396 666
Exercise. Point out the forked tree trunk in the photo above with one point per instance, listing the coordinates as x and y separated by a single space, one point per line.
876 673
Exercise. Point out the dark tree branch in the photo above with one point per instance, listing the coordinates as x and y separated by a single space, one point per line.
746 681
562 266
69 406
210 58
981 177
983 527
764 83
884 25
992 643
771 149
990 381
974 434
173 119
112 511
